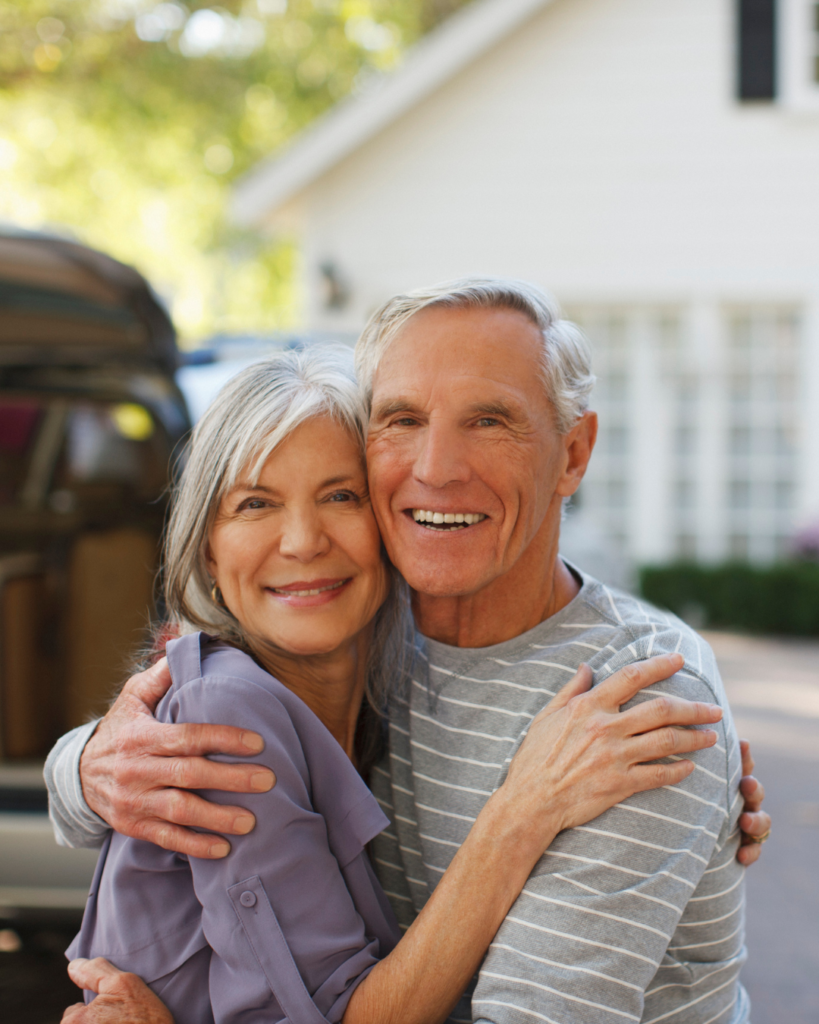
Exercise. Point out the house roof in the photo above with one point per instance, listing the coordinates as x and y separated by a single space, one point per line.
434 60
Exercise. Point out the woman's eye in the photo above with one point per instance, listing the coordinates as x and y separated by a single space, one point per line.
342 496
253 503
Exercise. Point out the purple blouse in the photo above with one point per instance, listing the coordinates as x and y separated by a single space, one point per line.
286 926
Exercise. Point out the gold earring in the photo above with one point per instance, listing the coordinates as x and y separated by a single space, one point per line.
216 596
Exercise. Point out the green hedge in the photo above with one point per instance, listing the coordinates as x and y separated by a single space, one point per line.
781 598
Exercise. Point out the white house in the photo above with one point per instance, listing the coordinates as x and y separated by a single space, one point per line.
655 165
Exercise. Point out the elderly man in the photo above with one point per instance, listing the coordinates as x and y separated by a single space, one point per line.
479 431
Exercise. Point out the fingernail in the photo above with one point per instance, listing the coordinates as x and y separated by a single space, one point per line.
712 736
253 742
716 710
243 823
262 782
219 849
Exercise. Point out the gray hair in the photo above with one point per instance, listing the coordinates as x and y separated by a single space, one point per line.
566 360
252 414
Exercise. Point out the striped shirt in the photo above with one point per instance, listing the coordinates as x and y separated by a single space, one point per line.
635 916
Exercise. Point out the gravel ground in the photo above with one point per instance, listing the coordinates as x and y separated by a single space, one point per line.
773 686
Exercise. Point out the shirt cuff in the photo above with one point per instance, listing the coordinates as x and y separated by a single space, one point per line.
73 821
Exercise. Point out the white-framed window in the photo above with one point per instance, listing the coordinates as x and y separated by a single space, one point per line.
751 391
606 492
762 365
798 27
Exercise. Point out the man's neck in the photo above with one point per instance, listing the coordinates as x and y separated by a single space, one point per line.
532 591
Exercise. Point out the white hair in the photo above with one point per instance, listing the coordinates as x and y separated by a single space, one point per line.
566 358
253 413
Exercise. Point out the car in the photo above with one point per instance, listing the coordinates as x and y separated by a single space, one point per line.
91 419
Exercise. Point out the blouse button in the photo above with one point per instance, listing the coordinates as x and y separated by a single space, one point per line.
248 899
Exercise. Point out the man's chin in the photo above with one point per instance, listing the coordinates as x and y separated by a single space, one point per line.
431 581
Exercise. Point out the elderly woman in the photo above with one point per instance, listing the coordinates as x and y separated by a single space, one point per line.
294 624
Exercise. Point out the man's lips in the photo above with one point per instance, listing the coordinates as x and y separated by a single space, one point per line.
440 520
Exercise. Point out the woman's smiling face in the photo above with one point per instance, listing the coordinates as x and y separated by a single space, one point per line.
297 554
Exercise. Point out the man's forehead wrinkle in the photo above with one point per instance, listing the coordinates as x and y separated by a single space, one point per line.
473 393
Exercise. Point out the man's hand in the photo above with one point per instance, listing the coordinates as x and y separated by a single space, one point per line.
752 821
135 771
122 998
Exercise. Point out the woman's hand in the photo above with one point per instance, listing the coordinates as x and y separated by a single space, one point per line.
582 756
122 998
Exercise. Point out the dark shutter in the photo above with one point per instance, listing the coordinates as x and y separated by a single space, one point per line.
756 49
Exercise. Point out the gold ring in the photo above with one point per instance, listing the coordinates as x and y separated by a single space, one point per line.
759 839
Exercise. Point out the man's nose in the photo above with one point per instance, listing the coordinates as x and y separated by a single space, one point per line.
441 459
303 536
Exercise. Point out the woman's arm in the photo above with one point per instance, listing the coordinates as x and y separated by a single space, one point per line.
580 757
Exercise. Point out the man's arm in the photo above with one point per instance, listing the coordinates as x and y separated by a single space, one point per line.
600 912
134 773
73 821
131 772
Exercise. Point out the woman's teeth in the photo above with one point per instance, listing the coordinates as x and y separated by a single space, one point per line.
308 593
458 520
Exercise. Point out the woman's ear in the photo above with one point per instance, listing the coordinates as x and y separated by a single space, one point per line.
210 561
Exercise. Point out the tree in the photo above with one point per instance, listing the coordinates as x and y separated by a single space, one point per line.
127 120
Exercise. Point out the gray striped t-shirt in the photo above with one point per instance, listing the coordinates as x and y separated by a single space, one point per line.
636 916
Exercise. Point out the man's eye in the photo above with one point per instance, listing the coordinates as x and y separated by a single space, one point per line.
487 421
342 496
404 421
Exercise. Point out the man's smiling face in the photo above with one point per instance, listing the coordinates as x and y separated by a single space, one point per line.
462 428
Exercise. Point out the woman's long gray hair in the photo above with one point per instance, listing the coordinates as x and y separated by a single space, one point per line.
252 414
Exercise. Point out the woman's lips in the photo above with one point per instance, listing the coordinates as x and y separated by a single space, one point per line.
310 593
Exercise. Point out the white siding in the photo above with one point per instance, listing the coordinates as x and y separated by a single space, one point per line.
600 152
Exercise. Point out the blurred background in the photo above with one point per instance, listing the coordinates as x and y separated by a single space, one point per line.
273 170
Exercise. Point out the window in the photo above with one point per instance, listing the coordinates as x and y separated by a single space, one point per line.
815 41
685 494
607 489
686 547
756 49
739 494
738 546
763 355
68 455
799 72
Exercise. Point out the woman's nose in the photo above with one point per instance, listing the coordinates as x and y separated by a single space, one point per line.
303 537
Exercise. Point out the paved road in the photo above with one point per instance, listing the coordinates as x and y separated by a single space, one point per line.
774 691
773 687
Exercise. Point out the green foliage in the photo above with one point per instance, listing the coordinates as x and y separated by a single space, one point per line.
779 599
127 120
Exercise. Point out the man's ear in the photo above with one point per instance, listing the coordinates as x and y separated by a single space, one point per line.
579 444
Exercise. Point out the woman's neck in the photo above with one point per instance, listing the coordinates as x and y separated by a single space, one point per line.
332 685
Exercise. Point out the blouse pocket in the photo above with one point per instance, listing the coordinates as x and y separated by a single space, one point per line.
261 927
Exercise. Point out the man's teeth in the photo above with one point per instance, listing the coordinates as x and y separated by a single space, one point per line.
457 519
308 593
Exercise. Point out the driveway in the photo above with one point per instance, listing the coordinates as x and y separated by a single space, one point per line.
773 687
